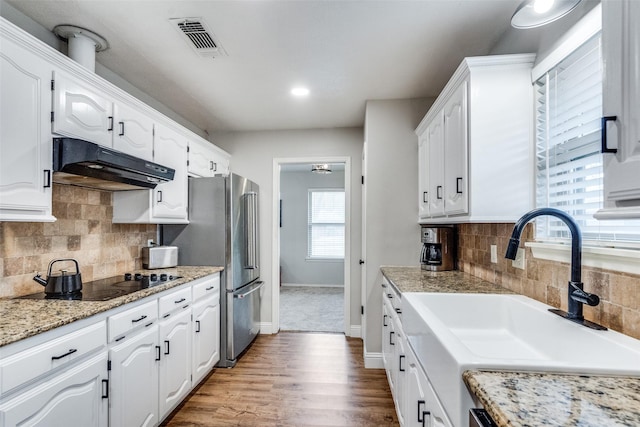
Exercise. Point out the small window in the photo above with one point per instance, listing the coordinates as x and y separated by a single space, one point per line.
569 172
326 224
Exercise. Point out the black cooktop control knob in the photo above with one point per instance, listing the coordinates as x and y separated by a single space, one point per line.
127 276
153 277
138 276
163 277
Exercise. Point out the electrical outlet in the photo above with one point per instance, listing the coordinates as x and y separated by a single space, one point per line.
150 242
494 254
519 262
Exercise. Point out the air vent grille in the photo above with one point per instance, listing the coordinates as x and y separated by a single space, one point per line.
199 37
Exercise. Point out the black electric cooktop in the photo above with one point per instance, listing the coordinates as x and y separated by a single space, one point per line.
111 287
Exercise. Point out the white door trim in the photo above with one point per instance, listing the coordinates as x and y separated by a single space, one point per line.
275 250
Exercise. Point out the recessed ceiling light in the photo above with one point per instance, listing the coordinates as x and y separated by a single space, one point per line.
300 91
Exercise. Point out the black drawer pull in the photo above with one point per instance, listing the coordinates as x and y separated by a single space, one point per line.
458 182
438 190
71 351
391 338
400 359
425 197
180 300
141 318
105 389
384 285
399 311
158 353
47 178
209 288
197 326
420 411
425 414
166 347
603 137
384 320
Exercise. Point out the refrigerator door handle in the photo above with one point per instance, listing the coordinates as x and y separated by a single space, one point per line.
259 284
251 230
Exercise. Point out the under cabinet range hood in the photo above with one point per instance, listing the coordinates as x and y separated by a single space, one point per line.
86 164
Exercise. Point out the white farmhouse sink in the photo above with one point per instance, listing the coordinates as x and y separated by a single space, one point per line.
451 333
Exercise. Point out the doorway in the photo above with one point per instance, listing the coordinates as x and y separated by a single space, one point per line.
311 245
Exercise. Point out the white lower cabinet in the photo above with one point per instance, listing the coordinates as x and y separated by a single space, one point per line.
175 359
75 397
206 337
133 391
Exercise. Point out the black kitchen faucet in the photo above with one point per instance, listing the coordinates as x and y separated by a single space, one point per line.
577 296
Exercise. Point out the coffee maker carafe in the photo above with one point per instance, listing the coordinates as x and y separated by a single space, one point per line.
438 248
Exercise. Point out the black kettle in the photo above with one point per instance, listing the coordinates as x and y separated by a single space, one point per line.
61 283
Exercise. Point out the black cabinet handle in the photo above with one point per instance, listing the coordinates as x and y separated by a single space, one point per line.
139 319
390 296
179 301
71 351
458 184
47 178
603 133
425 414
166 347
384 285
400 359
391 338
121 128
384 320
438 190
105 389
157 353
159 197
420 411
197 326
425 198
209 288
213 166
399 310
110 128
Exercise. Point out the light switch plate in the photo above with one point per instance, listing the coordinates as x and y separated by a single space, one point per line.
494 254
519 262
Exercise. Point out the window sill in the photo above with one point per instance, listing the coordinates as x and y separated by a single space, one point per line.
616 259
324 259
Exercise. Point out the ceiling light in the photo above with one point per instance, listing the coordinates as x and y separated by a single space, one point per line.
300 91
536 13
320 168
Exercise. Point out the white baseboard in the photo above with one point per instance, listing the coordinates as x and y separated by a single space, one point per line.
320 285
266 328
356 331
373 360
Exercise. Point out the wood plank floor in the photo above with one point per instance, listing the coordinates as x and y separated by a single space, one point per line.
293 379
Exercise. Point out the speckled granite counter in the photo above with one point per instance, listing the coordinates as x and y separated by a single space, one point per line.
533 399
24 318
413 279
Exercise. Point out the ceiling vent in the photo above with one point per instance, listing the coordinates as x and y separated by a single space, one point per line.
196 33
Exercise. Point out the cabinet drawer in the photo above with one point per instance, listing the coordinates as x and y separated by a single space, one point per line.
206 287
175 300
38 360
121 323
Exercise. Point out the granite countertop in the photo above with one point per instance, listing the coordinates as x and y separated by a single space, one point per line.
536 399
413 279
24 318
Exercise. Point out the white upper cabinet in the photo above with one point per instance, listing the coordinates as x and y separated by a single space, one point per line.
132 131
476 144
25 135
206 160
81 111
621 103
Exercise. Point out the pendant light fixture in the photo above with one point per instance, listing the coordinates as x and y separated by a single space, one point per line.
321 168
536 13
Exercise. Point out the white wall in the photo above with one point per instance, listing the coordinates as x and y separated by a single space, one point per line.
294 193
391 186
252 156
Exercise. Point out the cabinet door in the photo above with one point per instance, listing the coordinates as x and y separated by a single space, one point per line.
175 362
400 365
25 135
436 167
423 177
75 397
206 337
134 380
132 132
201 159
170 198
415 402
80 111
621 98
456 199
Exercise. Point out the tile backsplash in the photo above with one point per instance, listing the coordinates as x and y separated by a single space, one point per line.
83 231
546 281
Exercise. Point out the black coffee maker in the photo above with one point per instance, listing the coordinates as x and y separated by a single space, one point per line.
438 248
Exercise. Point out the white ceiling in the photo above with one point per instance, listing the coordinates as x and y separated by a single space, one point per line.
345 52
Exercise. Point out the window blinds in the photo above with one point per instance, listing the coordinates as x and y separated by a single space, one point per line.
568 159
326 224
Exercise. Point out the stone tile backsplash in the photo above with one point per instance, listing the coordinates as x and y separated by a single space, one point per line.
83 231
546 281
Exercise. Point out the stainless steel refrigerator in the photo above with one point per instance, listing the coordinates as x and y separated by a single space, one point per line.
223 231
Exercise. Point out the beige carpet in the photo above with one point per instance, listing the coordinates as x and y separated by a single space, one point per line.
311 309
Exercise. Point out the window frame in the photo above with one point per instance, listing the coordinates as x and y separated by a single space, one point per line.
310 224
